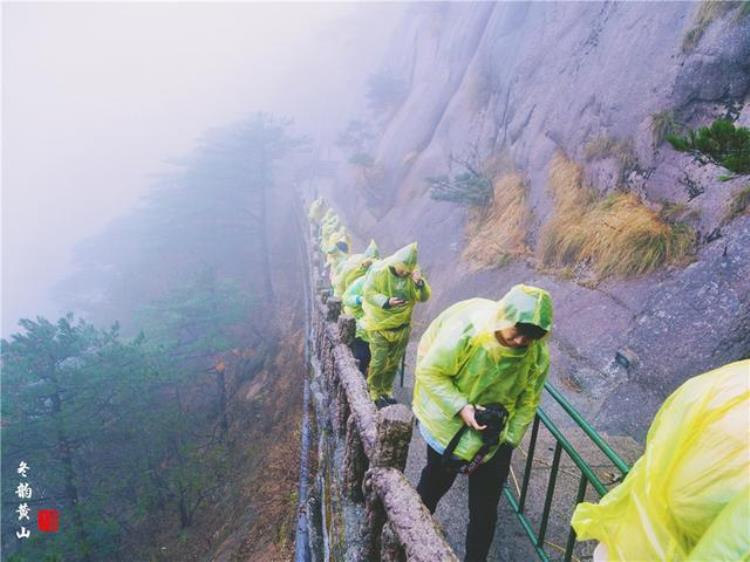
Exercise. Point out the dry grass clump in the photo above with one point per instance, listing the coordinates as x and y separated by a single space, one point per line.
709 11
613 236
739 204
497 233
663 123
607 147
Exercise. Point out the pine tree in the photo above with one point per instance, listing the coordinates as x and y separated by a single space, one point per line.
722 143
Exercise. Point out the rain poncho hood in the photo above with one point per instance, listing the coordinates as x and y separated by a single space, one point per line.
460 362
339 235
687 497
524 304
372 250
381 284
335 255
354 267
405 257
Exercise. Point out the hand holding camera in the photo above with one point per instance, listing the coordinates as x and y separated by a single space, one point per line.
468 415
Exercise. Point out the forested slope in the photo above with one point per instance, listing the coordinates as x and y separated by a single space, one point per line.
173 434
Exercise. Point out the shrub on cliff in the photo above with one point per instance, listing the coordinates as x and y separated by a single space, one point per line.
466 188
721 143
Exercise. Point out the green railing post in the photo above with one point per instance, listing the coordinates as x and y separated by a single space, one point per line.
526 525
550 492
529 464
572 534
588 429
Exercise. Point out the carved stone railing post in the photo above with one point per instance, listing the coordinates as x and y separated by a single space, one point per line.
358 398
408 518
342 409
320 327
315 527
333 309
330 341
347 328
355 462
390 549
374 521
328 360
393 437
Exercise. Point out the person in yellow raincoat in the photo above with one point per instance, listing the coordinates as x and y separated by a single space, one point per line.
337 247
688 497
476 353
328 225
317 210
354 267
392 287
352 301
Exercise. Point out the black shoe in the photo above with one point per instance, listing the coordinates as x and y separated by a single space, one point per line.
381 403
384 401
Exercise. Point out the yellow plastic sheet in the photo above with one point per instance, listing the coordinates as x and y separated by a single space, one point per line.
686 497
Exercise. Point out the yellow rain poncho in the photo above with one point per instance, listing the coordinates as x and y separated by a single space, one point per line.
388 326
382 284
335 255
317 210
330 224
352 301
686 498
460 362
354 267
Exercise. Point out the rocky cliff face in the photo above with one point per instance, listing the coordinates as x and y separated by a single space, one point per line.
518 83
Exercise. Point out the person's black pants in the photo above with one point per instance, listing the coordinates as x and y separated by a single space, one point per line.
361 352
485 486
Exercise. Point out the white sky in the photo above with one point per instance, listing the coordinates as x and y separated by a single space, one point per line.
96 97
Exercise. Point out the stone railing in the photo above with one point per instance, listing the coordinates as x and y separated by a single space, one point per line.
362 453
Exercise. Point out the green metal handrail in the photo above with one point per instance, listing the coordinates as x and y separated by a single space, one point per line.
588 429
588 476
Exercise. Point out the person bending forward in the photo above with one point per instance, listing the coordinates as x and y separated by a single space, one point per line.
476 353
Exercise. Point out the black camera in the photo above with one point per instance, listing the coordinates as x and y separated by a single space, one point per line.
494 416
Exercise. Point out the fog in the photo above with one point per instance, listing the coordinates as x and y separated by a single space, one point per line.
98 99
